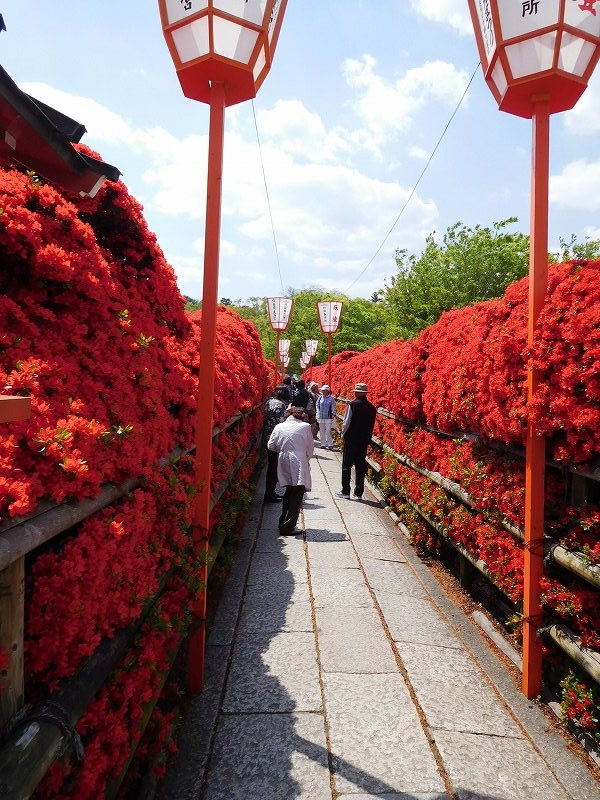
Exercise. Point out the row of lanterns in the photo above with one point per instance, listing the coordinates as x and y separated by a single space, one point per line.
280 315
537 58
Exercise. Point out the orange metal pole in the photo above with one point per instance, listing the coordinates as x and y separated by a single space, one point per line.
535 444
277 376
206 381
329 362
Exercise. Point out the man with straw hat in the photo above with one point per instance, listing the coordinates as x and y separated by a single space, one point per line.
359 421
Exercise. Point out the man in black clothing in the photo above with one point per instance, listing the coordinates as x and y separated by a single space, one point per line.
287 385
359 422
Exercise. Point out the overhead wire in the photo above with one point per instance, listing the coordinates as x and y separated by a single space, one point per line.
414 189
268 198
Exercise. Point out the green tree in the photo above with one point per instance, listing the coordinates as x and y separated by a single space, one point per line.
468 266
572 249
362 324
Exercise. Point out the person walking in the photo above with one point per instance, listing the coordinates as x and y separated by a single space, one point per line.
326 411
313 390
302 398
293 440
359 421
274 413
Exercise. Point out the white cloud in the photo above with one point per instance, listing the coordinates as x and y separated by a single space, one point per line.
418 152
578 186
326 211
260 277
450 12
584 119
386 109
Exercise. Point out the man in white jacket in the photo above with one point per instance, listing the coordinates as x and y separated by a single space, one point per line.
293 440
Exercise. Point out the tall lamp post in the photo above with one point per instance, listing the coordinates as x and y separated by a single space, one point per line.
222 50
311 350
330 314
280 314
537 58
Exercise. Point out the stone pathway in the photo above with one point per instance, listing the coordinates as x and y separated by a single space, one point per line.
337 668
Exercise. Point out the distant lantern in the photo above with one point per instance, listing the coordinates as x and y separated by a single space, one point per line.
284 347
330 313
311 347
537 47
280 312
224 41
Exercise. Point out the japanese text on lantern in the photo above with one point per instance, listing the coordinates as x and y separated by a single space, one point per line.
486 24
329 315
530 7
280 309
274 14
187 4
587 5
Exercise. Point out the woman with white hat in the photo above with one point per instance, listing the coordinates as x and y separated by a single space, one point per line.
325 416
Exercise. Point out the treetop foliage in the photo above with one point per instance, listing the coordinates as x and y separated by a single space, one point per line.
468 265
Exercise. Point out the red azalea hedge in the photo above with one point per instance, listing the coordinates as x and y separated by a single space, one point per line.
466 374
93 327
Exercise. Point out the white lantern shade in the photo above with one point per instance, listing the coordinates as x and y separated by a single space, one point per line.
285 360
280 312
330 313
311 347
226 41
284 347
542 49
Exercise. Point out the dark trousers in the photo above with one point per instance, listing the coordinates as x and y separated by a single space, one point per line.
290 509
354 456
271 480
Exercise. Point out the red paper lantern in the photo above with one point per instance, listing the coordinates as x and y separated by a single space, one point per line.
534 48
225 41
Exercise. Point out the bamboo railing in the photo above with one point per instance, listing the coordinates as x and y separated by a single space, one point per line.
35 743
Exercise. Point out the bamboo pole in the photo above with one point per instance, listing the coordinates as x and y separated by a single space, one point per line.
568 559
12 621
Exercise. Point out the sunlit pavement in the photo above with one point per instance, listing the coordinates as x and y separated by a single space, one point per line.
337 668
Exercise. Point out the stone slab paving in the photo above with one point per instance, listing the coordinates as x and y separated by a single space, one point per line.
453 693
337 669
269 757
380 547
342 588
393 577
353 642
273 673
414 619
483 767
377 741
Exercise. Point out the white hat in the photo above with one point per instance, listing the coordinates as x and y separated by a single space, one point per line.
361 387
325 386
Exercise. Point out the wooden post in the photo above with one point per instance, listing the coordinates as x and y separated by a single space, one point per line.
535 446
14 409
206 382
467 572
12 597
12 623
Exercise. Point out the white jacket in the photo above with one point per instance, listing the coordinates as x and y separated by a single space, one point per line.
293 440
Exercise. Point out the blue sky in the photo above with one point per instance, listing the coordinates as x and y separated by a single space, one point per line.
358 95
